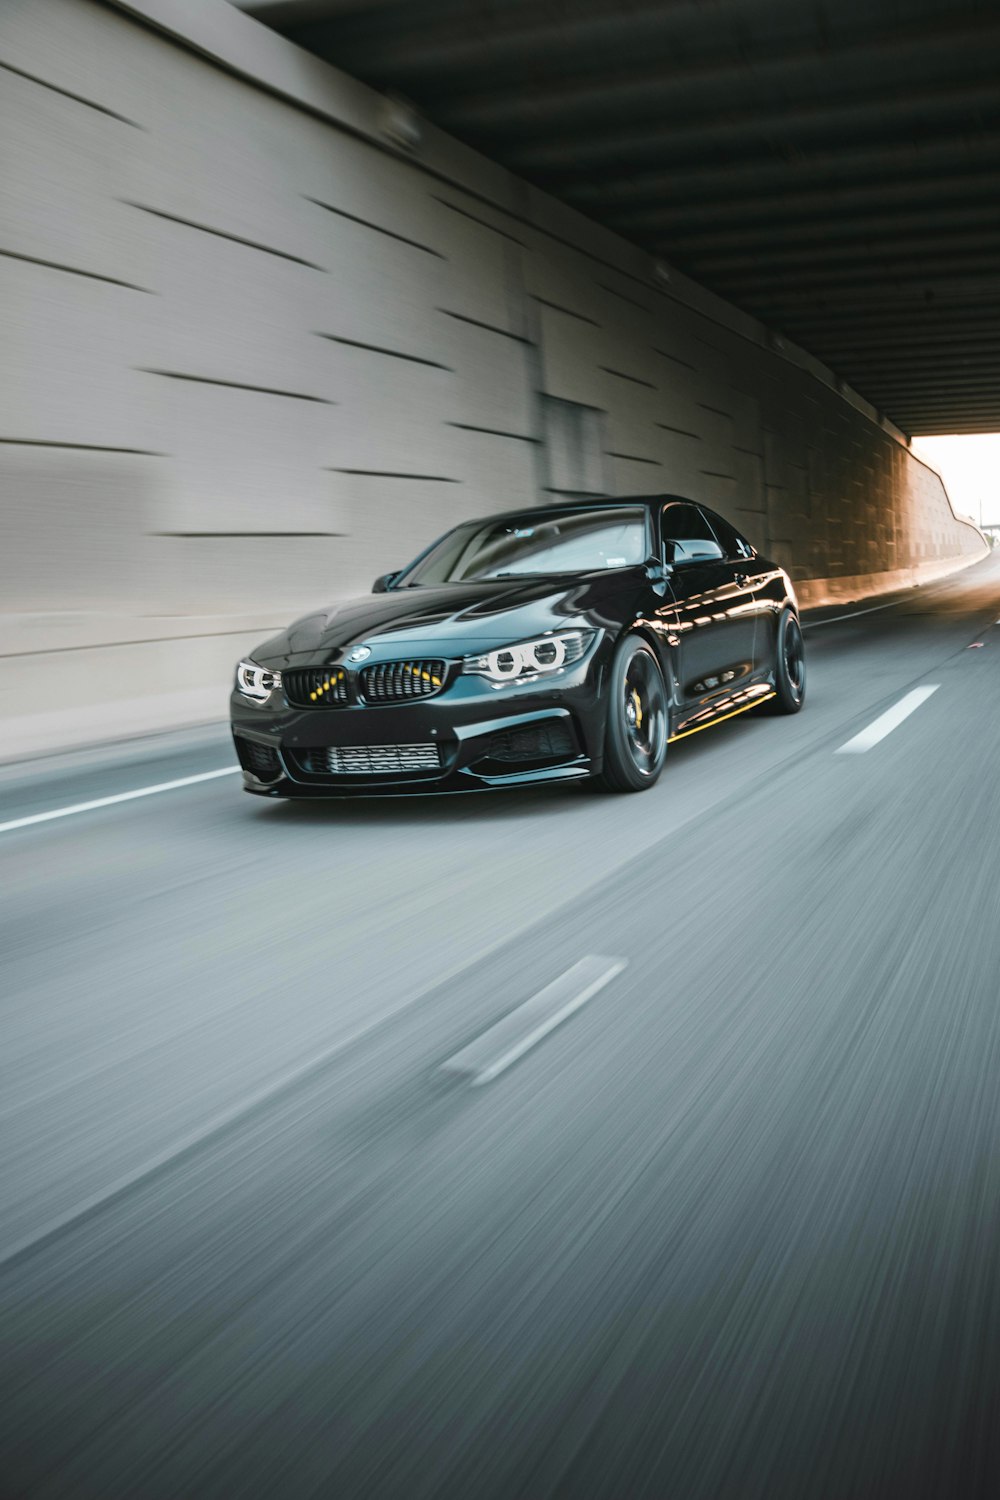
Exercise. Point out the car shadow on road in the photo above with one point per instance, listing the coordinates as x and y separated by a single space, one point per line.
439 808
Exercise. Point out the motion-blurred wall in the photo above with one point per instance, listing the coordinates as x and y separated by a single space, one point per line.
255 351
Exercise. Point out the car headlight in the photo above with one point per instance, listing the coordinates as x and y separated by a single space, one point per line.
526 659
256 682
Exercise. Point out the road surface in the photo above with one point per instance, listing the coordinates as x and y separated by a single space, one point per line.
285 1211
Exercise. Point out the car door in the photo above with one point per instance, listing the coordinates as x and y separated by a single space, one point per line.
713 604
752 576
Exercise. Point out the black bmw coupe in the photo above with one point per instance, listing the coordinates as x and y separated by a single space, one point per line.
568 641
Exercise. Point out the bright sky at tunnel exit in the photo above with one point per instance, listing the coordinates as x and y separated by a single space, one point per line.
970 468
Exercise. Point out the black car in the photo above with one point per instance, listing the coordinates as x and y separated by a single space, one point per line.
568 641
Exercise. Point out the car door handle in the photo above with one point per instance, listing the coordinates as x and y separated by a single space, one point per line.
741 579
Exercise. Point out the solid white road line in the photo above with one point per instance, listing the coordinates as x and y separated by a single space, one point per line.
854 613
887 722
490 1054
143 791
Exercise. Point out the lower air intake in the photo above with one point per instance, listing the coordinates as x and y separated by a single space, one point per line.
368 760
260 760
552 740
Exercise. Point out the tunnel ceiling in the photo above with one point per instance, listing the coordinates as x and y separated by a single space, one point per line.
833 169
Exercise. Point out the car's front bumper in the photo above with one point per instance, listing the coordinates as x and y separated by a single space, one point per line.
472 736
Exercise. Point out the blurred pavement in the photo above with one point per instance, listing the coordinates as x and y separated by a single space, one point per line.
730 1230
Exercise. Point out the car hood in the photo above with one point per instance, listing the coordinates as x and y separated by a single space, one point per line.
454 618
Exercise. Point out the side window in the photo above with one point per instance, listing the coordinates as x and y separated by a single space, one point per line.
730 540
685 523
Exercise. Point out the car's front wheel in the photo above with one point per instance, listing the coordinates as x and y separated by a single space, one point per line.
635 739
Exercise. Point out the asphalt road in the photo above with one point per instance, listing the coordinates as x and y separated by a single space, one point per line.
730 1229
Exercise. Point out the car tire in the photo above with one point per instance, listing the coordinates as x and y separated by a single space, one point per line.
789 667
638 720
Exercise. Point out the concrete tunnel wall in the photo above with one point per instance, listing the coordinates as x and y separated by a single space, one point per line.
256 353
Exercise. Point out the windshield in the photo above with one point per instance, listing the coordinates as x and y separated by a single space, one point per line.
572 541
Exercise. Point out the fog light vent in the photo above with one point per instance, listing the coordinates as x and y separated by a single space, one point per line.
260 760
551 740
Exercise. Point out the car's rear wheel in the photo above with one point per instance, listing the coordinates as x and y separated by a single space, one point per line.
635 739
789 667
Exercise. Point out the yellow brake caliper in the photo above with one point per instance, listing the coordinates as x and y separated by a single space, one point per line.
637 701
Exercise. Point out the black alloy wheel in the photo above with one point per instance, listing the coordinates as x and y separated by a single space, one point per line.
635 741
789 666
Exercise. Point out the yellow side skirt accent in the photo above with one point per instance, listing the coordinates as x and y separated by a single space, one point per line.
722 718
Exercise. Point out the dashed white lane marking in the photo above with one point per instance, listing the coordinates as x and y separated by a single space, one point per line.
493 1052
887 722
143 791
284 1084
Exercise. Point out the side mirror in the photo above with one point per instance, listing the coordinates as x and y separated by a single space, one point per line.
384 582
697 550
